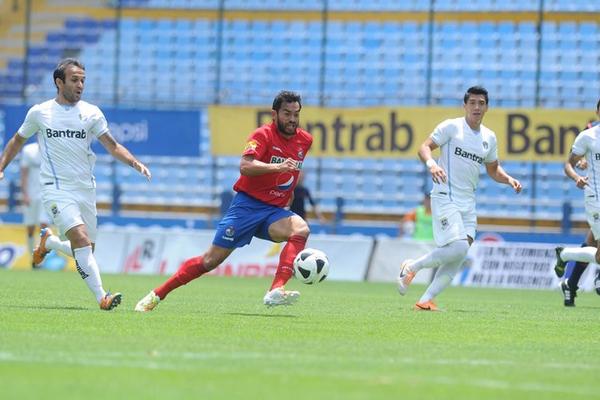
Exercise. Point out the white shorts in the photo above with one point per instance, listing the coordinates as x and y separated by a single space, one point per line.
592 212
452 222
34 213
70 208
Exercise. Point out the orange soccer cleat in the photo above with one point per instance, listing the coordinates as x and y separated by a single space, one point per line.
40 252
426 306
110 301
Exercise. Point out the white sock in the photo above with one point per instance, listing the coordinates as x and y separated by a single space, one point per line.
88 269
30 244
584 254
54 243
448 254
442 279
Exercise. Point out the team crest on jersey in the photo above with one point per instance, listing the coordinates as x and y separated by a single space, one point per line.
300 154
444 223
54 210
485 145
596 217
251 145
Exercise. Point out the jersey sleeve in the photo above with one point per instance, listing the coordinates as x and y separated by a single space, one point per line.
256 145
30 125
99 126
442 133
580 145
492 154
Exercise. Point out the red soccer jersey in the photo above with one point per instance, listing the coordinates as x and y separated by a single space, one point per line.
268 146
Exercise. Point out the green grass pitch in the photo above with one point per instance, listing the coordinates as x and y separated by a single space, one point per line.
213 339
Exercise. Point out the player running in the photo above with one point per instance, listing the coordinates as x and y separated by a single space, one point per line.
585 149
65 127
465 144
269 170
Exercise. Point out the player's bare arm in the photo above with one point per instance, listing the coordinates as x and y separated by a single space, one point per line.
497 173
121 153
13 147
250 166
425 154
574 159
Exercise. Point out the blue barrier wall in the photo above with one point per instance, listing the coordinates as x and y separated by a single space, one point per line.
143 132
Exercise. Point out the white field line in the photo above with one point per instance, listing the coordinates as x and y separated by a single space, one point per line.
159 356
173 362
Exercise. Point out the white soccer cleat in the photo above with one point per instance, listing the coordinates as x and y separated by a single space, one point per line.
148 303
405 277
281 297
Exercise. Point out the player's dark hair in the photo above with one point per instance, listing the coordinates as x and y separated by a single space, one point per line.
598 105
286 96
59 72
476 90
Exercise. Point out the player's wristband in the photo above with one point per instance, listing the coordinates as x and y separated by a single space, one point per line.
430 163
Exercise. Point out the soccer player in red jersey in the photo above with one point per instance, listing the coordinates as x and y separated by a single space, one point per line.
269 170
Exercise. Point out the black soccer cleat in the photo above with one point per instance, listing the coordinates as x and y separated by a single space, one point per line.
568 294
597 282
559 268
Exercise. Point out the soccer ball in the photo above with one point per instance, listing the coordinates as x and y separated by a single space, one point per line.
311 266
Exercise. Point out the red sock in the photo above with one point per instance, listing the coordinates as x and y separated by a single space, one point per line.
285 269
189 270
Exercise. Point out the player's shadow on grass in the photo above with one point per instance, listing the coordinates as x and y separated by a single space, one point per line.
47 308
262 315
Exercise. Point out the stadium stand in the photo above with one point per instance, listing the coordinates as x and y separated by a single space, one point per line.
374 52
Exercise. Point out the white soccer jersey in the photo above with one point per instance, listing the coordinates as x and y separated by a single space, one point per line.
30 159
65 137
462 153
587 144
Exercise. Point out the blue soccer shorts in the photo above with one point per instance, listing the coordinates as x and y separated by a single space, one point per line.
247 217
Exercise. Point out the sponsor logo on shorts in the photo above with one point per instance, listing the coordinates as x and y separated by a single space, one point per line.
596 217
229 233
444 223
54 210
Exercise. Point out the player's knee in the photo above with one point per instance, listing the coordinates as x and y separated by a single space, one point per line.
301 230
